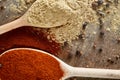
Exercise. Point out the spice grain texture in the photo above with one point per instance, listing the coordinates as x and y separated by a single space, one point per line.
29 65
49 13
27 37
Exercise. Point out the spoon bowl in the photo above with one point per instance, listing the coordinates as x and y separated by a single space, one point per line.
42 14
70 71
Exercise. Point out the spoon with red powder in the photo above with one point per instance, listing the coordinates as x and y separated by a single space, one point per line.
33 64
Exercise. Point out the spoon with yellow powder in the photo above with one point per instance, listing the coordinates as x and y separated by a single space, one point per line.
43 14
23 56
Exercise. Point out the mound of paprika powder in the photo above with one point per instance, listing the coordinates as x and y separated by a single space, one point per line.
28 37
29 65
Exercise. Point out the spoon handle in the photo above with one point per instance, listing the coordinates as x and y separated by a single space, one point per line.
10 26
95 73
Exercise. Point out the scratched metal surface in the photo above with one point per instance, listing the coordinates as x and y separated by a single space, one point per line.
104 54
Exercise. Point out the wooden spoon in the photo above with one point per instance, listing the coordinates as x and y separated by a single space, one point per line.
37 17
70 71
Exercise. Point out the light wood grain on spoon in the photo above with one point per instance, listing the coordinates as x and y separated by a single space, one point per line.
13 25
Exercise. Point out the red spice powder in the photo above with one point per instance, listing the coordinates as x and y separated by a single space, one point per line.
29 65
28 37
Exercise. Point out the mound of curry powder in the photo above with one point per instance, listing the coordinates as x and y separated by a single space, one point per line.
28 37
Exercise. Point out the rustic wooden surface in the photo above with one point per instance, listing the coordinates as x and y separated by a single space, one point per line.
95 51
